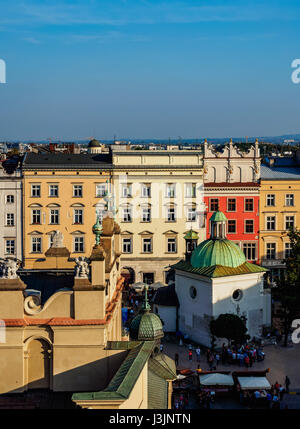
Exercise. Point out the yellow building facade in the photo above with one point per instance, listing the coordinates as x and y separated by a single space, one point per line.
62 192
279 210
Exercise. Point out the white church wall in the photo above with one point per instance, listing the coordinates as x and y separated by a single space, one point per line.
194 313
252 301
167 315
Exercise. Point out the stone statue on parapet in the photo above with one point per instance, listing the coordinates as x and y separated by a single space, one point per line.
82 268
57 239
9 267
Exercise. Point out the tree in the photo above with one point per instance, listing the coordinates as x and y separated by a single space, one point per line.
287 289
229 326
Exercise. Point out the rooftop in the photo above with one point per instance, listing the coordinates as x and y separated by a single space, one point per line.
279 173
66 161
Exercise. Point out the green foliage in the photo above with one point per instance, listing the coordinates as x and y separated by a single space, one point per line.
229 326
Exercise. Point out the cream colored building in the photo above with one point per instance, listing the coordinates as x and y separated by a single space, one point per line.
159 197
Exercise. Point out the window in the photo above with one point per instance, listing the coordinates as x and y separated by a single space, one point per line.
100 190
171 214
190 190
53 190
289 200
237 295
9 247
78 244
54 216
127 214
147 245
146 214
214 204
36 216
170 190
193 292
36 244
126 190
10 199
249 205
35 190
287 250
271 200
191 214
77 190
146 190
271 223
231 205
249 250
231 226
171 245
78 216
10 219
289 222
249 226
127 245
271 250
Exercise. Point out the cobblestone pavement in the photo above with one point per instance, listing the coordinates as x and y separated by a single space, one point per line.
281 361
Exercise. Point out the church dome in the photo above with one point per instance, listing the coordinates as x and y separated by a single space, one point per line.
217 252
94 143
146 326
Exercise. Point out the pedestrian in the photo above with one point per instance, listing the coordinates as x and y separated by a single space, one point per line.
217 357
247 361
161 347
198 351
281 392
190 355
287 384
176 359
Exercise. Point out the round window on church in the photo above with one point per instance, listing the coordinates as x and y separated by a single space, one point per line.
237 295
193 292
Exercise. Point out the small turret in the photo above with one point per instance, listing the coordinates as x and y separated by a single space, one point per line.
191 241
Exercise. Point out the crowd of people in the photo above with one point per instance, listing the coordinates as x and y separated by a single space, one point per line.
244 356
272 397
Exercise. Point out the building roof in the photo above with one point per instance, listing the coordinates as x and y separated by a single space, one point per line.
65 161
218 216
231 184
146 326
166 296
216 271
125 378
214 252
94 143
279 173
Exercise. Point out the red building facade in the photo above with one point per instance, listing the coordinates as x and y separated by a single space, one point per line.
240 204
231 184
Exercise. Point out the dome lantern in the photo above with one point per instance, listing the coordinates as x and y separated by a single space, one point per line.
218 223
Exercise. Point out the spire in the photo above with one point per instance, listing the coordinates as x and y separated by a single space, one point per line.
146 305
97 230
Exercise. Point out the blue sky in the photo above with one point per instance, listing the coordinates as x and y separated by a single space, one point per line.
148 69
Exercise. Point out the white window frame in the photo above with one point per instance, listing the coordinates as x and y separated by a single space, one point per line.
35 191
36 241
250 250
10 219
190 190
56 214
77 214
245 222
269 221
126 190
285 221
51 188
288 198
191 214
171 214
127 247
77 189
146 190
101 190
170 190
147 244
275 250
287 249
171 244
9 246
273 199
146 214
10 196
80 243
38 213
127 214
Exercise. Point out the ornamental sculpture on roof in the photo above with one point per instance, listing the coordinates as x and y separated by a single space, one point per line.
57 239
9 267
82 268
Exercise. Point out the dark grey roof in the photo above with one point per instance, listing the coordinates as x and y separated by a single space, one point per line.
166 296
67 161
279 173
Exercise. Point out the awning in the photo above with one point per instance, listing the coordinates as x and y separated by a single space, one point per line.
216 379
157 285
140 286
253 383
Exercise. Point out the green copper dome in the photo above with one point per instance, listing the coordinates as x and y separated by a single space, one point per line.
218 216
146 326
217 252
94 143
191 235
